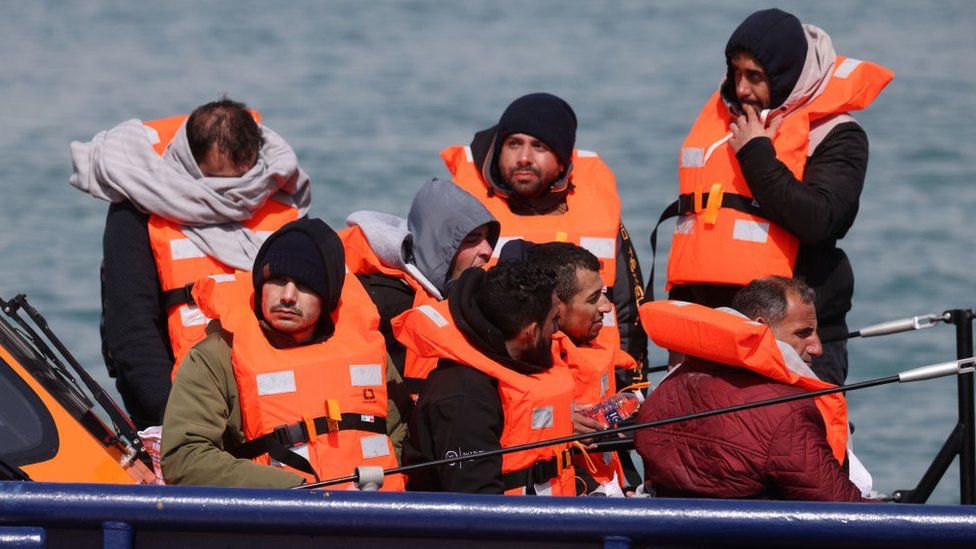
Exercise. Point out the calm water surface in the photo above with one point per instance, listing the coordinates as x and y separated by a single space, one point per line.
369 92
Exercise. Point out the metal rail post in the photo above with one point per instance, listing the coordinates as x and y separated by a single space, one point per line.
963 319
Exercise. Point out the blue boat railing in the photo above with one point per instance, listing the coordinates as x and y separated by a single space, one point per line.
128 516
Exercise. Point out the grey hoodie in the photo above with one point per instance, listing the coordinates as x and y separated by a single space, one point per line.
424 246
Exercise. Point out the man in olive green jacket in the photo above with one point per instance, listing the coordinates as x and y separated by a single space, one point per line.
203 420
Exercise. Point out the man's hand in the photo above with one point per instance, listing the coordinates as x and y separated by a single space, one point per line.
748 127
583 424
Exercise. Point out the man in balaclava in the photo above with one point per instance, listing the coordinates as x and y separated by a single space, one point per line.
276 358
526 171
771 174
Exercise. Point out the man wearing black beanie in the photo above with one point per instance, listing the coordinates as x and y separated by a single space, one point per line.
771 174
292 382
528 174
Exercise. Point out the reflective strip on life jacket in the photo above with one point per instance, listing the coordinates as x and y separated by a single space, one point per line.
592 219
535 407
180 262
335 382
719 243
725 338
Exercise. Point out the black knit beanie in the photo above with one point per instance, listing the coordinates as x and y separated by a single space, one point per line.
516 250
309 252
295 255
777 40
545 117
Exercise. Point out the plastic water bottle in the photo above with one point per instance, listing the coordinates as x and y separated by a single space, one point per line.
615 408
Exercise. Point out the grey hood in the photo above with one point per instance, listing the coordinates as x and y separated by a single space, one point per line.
441 215
392 243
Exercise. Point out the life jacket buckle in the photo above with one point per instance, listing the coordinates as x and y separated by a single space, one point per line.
564 458
290 434
313 433
333 414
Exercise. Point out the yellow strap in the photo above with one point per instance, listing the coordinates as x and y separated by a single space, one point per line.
313 434
698 198
641 385
334 414
714 203
564 458
590 466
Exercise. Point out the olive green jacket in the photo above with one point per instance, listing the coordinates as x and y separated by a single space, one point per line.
203 419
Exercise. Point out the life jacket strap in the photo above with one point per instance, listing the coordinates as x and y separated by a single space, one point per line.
292 434
539 472
178 296
685 205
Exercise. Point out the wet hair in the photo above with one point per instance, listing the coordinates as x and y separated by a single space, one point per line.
766 298
564 259
225 126
514 295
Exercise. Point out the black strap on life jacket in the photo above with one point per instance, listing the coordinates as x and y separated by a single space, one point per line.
685 204
277 443
537 473
178 296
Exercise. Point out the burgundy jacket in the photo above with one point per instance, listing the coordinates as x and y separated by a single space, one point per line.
773 452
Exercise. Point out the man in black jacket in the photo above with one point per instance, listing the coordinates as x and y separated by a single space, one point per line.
773 64
508 316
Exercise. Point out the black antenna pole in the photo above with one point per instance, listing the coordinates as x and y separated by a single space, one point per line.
916 374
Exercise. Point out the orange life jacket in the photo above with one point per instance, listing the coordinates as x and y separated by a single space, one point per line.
325 401
536 407
720 236
179 262
722 337
594 379
592 219
361 259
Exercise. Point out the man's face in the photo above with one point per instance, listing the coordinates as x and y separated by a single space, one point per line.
474 251
219 164
528 165
290 307
798 329
581 318
751 82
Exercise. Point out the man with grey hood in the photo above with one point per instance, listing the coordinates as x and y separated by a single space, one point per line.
404 263
783 112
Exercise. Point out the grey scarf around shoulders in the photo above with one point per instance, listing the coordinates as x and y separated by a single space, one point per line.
120 164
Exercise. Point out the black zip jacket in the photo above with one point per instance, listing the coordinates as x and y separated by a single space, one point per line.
819 211
459 410
135 341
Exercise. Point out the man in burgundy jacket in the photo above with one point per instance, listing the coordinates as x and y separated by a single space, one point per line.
773 452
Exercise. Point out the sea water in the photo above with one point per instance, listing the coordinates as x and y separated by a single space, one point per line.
369 92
